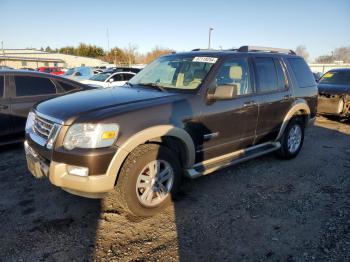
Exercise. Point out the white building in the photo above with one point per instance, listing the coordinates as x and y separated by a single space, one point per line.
18 58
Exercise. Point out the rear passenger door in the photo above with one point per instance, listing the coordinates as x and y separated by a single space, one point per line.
274 96
5 116
28 90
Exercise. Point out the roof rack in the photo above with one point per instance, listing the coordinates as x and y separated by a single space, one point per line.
203 49
247 48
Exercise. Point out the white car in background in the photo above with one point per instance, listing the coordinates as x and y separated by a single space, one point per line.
109 79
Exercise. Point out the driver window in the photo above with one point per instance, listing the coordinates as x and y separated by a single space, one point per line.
117 77
235 72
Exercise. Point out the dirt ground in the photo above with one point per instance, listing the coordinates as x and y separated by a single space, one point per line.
262 210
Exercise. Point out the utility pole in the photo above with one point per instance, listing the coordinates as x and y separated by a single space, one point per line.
210 29
107 33
115 57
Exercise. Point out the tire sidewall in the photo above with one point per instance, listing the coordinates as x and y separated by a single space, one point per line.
291 124
132 201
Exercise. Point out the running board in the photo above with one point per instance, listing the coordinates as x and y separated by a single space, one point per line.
211 165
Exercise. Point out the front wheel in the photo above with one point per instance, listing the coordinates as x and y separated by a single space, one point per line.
148 180
292 139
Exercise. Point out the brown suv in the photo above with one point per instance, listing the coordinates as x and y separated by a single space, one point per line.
184 114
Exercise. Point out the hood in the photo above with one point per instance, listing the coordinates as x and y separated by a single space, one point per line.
69 107
333 89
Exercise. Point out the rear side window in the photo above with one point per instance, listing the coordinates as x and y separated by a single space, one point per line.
33 86
302 72
67 87
2 79
266 73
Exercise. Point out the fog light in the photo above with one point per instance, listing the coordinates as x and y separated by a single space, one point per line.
77 170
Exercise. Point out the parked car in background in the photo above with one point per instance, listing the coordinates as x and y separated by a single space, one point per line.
51 70
19 91
334 92
184 114
123 69
106 79
79 73
317 75
97 71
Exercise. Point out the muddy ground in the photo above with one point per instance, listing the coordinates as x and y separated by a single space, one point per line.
262 210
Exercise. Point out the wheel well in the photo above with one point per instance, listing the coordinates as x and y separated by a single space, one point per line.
174 144
302 114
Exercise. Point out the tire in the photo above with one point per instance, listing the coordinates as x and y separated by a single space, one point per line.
137 191
292 139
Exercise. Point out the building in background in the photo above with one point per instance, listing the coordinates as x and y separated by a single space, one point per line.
18 58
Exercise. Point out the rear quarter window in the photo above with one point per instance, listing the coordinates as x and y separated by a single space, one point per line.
302 72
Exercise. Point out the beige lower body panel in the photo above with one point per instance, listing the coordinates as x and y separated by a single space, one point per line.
89 186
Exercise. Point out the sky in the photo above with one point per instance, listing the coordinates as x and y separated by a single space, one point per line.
181 25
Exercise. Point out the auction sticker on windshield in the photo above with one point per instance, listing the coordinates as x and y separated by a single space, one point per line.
205 59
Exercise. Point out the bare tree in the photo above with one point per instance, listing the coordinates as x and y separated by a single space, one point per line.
301 51
324 59
342 54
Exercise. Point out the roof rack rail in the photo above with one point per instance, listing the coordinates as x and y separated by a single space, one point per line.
247 48
203 49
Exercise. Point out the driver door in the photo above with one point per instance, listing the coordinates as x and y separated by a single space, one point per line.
230 124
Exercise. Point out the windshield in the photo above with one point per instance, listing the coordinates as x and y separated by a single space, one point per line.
336 77
100 77
174 72
69 72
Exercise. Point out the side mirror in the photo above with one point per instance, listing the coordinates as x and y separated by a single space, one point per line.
110 80
224 92
77 74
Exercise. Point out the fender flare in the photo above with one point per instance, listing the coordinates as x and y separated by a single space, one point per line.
146 135
297 106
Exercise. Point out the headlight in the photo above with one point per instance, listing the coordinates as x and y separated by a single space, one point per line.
30 120
91 136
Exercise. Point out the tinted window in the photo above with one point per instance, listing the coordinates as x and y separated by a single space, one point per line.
117 77
266 73
302 72
235 72
31 86
67 87
336 77
282 75
2 86
127 76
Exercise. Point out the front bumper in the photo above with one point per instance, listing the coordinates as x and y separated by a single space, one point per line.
92 186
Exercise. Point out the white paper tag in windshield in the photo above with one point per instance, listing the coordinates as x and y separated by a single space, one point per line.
205 59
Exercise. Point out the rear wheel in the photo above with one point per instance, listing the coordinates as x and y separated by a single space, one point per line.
148 180
292 139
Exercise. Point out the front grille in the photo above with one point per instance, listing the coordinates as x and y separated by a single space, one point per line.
42 127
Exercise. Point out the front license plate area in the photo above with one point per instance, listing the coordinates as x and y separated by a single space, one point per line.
35 165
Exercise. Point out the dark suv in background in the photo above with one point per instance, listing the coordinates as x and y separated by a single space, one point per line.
19 91
184 114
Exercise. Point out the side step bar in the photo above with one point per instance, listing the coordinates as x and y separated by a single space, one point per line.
211 165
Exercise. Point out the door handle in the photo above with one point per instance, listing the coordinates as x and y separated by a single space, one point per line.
3 107
249 103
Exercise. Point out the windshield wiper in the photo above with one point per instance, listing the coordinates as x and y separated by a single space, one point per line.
154 85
